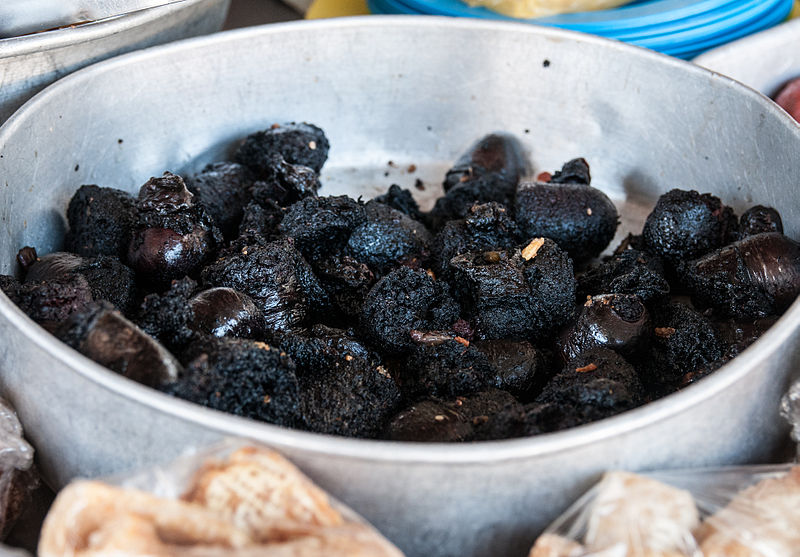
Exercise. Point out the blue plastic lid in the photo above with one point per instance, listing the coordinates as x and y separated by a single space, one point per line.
751 14
681 28
638 14
754 26
705 24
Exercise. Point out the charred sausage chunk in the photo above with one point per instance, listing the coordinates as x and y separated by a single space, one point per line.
100 221
754 277
297 143
518 293
581 219
173 236
242 377
224 189
277 278
402 301
686 224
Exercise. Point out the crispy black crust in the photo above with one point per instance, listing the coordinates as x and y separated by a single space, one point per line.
686 224
100 221
298 143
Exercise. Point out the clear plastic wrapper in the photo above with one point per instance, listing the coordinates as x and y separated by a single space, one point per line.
790 409
233 500
12 552
17 474
751 511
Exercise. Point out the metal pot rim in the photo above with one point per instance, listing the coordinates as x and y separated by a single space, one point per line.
87 32
387 451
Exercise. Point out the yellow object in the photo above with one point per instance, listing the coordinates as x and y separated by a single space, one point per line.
541 8
336 8
795 10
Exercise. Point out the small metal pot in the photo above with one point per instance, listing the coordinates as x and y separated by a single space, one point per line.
414 91
31 62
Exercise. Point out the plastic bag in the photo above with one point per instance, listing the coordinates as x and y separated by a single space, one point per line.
235 499
541 8
751 511
13 552
790 409
17 475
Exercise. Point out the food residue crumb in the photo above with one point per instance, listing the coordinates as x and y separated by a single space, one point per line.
419 184
412 168
438 418
382 370
664 332
491 256
530 251
312 145
584 369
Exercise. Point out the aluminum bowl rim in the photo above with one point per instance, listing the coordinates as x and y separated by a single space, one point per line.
396 451
87 32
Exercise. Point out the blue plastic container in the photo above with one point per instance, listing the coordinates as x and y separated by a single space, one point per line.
682 28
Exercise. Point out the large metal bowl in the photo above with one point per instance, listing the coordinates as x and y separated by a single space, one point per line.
407 90
31 62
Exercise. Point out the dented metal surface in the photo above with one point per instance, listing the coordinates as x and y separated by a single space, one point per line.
394 94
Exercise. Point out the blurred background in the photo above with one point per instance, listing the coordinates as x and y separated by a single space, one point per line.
244 13
681 28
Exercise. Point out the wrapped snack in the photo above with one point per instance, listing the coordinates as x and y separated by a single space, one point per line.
749 511
761 521
625 515
251 502
641 513
18 478
541 8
